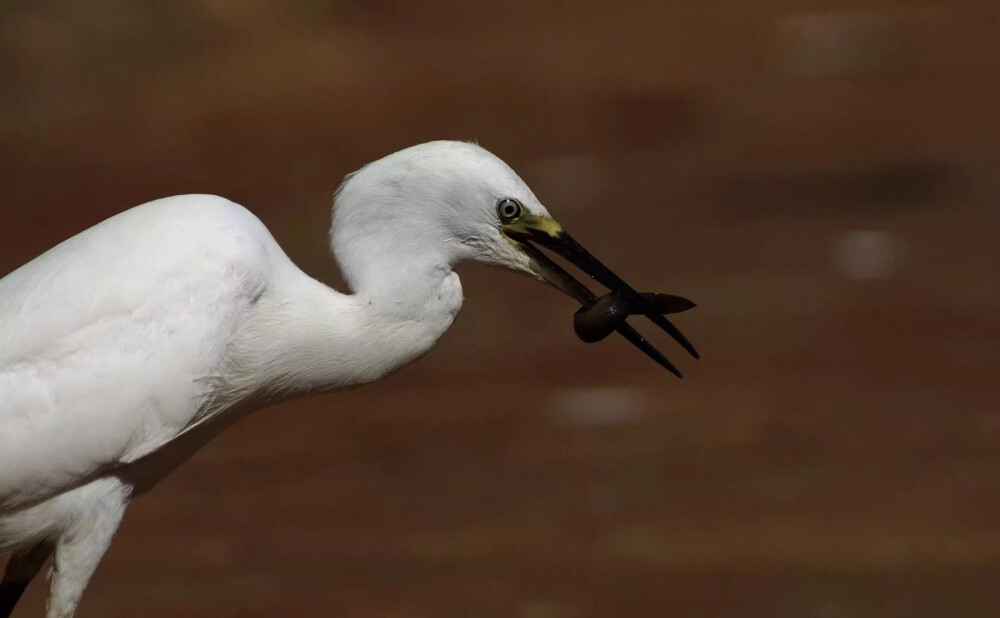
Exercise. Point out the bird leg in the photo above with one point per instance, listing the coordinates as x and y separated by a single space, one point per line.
22 567
81 547
595 321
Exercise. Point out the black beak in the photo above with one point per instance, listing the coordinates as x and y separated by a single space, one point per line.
562 244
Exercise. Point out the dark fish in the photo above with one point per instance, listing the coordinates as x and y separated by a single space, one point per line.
606 314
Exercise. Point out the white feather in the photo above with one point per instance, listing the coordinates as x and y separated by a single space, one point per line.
127 347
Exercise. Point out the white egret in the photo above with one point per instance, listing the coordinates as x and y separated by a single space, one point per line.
126 348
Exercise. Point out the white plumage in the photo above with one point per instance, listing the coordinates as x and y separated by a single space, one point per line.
127 347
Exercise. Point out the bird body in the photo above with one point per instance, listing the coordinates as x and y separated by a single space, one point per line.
126 348
191 310
148 301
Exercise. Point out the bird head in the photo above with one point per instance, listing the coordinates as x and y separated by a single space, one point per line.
440 203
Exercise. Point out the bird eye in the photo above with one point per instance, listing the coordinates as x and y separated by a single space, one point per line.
509 209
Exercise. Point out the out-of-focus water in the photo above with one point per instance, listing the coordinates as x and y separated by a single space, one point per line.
820 178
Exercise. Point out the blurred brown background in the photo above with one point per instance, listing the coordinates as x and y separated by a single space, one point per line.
820 176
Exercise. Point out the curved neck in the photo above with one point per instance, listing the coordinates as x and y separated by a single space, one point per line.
402 282
304 337
397 267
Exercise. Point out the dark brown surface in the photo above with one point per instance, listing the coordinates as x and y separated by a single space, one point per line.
834 454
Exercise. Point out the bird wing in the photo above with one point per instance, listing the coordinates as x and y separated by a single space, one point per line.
106 338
